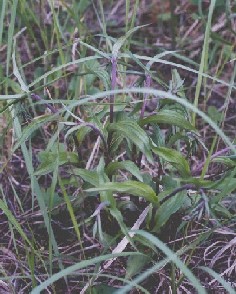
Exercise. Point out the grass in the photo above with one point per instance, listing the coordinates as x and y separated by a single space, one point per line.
117 148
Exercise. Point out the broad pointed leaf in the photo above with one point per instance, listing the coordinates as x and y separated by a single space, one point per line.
88 176
175 158
119 43
133 132
28 131
135 264
126 165
130 187
49 160
103 179
169 117
168 208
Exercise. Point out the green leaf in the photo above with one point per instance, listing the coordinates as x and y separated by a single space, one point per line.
226 185
204 56
35 188
126 165
88 176
63 66
119 218
198 182
71 211
49 160
95 68
130 130
16 71
71 269
135 264
220 210
170 256
103 178
56 198
76 129
163 95
2 17
82 132
176 84
169 117
225 160
164 16
175 158
168 183
119 43
14 222
115 142
168 208
102 289
130 187
28 131
107 196
214 114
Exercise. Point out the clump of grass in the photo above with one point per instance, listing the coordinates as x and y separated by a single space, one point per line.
113 175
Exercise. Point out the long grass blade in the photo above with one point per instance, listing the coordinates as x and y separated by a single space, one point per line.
3 11
10 34
204 58
83 264
218 278
171 256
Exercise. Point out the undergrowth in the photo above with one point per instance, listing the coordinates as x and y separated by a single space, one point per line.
117 152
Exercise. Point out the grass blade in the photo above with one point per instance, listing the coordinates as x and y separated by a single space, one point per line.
3 11
171 257
218 277
83 264
204 58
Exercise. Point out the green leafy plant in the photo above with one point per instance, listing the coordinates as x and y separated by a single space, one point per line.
113 144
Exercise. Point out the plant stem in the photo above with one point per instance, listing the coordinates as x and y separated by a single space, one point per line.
147 84
113 86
